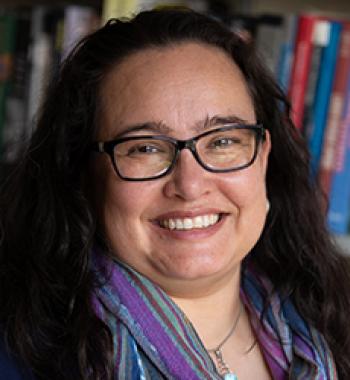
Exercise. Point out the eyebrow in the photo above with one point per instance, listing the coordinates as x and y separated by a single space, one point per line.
161 128
215 120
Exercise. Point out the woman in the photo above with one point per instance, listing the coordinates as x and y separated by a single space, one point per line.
164 224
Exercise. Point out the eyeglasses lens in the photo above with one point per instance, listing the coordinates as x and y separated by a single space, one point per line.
219 151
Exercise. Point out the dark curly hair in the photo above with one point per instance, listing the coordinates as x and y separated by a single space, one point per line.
48 226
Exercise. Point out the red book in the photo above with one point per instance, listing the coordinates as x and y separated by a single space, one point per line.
334 140
301 67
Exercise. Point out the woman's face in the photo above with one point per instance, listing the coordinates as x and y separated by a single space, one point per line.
181 87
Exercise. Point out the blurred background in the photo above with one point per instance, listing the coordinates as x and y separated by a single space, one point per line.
305 45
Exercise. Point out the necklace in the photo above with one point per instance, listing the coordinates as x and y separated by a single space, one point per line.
223 368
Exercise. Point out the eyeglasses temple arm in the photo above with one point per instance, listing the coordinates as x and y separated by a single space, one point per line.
98 147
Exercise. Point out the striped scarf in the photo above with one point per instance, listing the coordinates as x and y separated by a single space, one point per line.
154 340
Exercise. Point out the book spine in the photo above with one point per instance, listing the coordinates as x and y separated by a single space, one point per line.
334 141
301 67
323 91
339 199
41 60
7 36
118 8
287 51
16 100
269 39
55 21
78 22
320 41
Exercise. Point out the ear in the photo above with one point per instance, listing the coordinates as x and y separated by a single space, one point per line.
265 149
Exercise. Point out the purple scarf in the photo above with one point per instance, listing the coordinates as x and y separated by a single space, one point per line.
154 340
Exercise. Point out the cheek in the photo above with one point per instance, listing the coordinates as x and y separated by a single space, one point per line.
120 216
115 201
120 202
247 194
126 203
246 189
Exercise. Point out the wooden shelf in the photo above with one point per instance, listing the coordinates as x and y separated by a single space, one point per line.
247 6
341 7
14 3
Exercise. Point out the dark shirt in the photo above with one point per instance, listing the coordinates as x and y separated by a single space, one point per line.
10 369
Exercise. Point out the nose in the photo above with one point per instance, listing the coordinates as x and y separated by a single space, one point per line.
188 181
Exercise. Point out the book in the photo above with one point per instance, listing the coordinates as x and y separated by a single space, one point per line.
322 96
334 138
7 36
128 8
118 8
55 32
41 55
320 40
78 22
339 197
17 96
269 39
301 67
286 53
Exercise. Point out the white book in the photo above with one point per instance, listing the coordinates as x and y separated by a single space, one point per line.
41 61
78 22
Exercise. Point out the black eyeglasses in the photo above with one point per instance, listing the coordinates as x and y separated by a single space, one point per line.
225 149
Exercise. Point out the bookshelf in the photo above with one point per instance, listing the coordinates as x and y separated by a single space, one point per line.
253 8
337 9
35 36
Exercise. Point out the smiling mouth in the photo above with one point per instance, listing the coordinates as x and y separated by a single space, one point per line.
198 222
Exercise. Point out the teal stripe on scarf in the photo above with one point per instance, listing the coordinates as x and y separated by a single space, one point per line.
133 300
298 349
154 340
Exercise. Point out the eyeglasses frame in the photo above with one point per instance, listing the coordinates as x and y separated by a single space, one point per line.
108 148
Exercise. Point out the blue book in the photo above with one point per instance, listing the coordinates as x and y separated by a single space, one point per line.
286 54
339 197
323 92
320 41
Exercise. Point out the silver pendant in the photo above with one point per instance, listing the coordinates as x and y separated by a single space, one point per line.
223 368
230 376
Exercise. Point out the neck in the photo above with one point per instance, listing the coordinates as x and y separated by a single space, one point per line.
214 313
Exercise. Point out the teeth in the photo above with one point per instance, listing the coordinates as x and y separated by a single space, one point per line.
202 221
197 222
170 224
179 224
187 224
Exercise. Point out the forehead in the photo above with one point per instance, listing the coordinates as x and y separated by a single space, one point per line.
179 86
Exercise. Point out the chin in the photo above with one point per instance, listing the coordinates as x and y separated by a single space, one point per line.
198 269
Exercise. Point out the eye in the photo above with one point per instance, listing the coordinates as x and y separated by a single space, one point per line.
224 142
144 149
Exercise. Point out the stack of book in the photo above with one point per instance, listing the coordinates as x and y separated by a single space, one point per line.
33 41
309 55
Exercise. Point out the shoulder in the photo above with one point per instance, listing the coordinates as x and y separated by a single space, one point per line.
10 369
